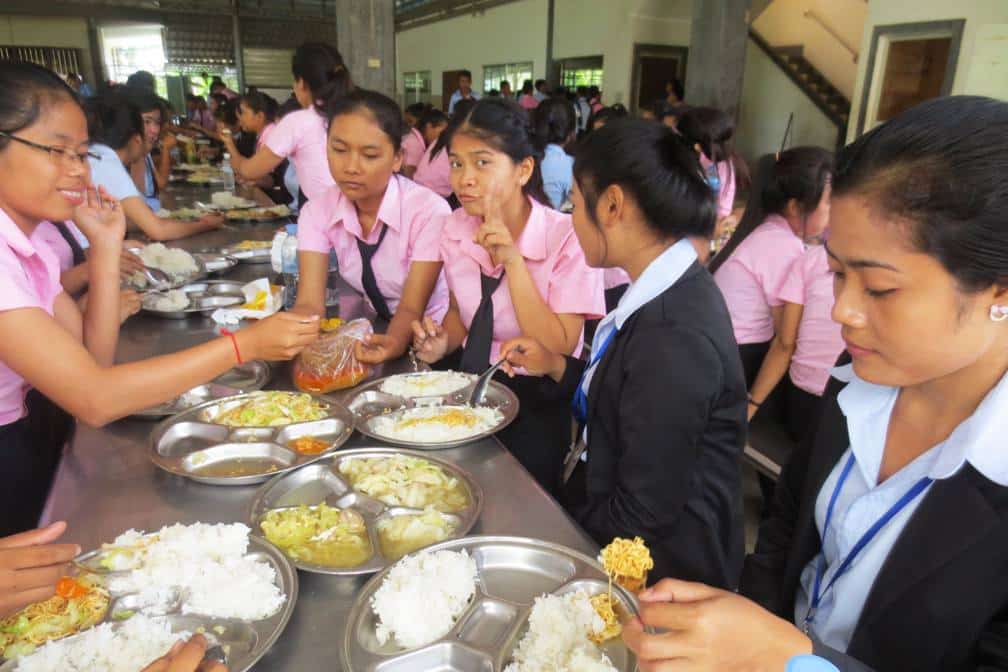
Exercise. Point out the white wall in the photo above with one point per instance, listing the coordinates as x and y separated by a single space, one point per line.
510 33
768 97
982 67
610 28
783 24
38 31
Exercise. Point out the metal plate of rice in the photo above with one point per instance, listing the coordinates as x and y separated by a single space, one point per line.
324 481
511 573
376 410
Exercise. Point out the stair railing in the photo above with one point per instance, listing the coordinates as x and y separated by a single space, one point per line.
811 15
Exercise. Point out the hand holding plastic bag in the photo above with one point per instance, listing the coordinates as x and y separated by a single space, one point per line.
330 364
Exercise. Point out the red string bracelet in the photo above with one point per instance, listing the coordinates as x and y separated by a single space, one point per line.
234 342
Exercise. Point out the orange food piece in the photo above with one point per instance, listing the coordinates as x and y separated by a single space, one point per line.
320 384
308 445
68 588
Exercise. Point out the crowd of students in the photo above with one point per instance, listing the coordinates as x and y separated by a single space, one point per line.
883 547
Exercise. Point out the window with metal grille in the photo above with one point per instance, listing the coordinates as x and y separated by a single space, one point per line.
587 71
416 87
513 73
58 59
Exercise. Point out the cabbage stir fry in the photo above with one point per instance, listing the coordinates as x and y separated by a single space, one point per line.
402 480
272 409
320 535
404 534
77 605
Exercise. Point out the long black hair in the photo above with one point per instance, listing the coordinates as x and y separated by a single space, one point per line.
378 106
941 167
714 131
553 122
656 167
113 119
503 124
26 90
801 174
462 110
320 66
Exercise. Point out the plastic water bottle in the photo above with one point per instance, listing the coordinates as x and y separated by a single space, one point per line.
228 171
284 258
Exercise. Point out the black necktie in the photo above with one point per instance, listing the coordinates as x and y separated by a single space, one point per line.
476 354
75 247
368 280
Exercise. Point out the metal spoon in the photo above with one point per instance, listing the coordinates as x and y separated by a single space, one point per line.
480 387
158 278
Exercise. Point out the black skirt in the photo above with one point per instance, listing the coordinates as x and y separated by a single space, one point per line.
28 473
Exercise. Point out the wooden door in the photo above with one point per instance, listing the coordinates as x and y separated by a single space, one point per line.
653 66
449 85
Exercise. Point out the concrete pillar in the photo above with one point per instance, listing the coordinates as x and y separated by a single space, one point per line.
239 46
365 35
718 40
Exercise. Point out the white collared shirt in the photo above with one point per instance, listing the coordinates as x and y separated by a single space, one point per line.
660 274
863 500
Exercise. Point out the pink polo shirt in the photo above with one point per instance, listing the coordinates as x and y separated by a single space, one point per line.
413 147
810 284
615 277
554 259
301 137
752 276
414 217
47 234
435 174
528 102
264 134
30 277
726 194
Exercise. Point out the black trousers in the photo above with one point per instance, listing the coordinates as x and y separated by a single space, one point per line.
801 410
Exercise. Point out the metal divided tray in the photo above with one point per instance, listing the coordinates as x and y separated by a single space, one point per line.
259 215
215 262
323 482
511 573
179 280
368 402
204 297
253 256
190 444
247 641
246 377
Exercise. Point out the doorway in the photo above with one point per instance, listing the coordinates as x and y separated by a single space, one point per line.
908 64
449 85
653 66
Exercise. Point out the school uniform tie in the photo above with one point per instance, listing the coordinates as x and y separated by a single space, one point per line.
368 280
75 247
476 354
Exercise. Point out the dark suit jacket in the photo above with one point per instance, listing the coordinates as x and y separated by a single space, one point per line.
940 601
667 418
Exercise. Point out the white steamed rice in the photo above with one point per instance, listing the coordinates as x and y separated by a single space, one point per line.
110 647
557 637
168 302
424 425
435 383
171 260
209 563
422 596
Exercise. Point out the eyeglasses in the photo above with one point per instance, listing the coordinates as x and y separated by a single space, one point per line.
57 154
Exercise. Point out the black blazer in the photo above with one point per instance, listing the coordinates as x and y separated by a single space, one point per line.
667 419
940 601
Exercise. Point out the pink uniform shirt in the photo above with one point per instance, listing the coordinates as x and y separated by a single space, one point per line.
435 174
615 277
810 284
554 259
726 194
414 216
528 102
47 234
264 134
413 147
753 275
301 137
30 277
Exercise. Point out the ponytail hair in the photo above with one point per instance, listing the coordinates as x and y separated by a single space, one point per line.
801 174
503 124
320 66
714 131
554 122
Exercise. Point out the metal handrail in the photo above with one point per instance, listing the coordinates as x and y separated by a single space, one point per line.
809 14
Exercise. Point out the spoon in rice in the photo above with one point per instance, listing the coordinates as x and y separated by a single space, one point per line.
480 386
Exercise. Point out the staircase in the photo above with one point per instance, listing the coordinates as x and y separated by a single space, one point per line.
812 83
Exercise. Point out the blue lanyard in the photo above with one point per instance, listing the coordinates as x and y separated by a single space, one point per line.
580 403
908 497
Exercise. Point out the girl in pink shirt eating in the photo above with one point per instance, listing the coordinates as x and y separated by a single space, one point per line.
320 77
45 342
384 229
513 267
791 204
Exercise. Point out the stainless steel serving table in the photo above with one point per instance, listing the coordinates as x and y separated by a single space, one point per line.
106 483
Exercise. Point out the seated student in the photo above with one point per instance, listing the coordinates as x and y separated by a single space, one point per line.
384 229
45 341
513 267
229 126
553 124
414 144
149 177
117 136
805 345
750 269
662 397
434 169
257 118
320 77
885 549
